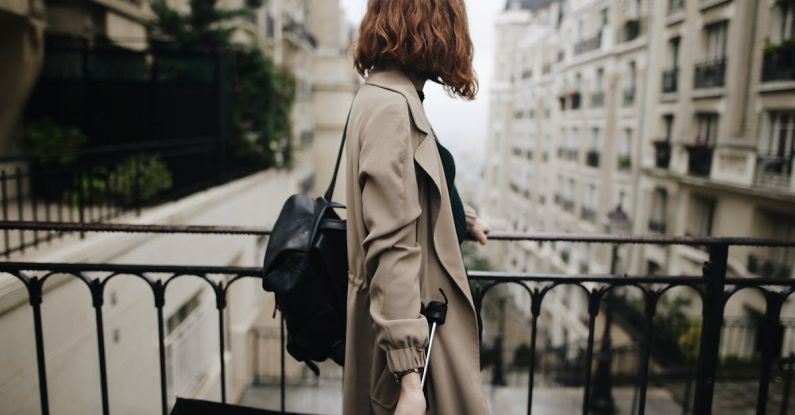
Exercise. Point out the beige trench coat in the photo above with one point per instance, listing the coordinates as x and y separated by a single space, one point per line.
402 248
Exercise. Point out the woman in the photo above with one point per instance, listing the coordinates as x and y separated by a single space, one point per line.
405 220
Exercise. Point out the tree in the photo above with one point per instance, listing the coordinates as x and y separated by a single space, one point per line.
204 25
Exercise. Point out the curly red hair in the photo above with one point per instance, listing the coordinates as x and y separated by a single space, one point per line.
427 37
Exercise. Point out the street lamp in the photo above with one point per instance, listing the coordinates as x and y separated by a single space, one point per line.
601 399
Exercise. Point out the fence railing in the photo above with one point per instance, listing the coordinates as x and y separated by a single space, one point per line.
713 286
104 183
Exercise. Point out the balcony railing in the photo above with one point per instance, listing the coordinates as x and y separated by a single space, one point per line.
675 6
699 160
631 30
773 171
598 99
589 44
592 158
713 286
779 62
588 214
710 74
104 183
670 80
662 154
629 97
656 225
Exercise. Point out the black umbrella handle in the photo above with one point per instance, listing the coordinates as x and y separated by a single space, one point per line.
436 311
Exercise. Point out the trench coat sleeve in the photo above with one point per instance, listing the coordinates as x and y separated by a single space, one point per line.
471 215
392 254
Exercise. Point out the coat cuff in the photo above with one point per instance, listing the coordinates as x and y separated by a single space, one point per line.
471 214
399 360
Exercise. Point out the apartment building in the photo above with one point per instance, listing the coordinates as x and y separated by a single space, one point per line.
680 112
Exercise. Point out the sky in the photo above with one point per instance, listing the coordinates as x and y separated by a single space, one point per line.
460 125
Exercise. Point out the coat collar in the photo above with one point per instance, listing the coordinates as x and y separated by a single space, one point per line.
393 78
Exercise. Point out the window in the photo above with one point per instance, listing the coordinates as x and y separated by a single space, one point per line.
716 40
624 157
786 26
595 139
600 75
702 212
668 126
707 129
780 141
659 210
603 17
673 51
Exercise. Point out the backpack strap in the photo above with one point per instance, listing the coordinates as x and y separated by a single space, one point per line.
330 191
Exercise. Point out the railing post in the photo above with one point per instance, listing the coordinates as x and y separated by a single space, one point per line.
35 297
770 334
81 201
21 207
160 300
220 304
593 310
4 197
98 301
645 351
713 301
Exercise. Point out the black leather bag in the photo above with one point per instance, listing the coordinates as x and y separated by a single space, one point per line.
305 266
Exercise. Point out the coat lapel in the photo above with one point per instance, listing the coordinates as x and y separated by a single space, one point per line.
426 156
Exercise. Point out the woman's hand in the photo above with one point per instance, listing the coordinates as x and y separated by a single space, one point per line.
480 231
412 400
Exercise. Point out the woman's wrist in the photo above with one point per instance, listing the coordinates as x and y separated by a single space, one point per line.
410 382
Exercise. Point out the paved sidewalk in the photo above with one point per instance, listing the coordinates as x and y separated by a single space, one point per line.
325 398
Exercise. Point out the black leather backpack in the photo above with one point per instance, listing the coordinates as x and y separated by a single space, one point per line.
305 266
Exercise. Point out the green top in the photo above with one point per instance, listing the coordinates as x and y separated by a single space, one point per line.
448 163
455 200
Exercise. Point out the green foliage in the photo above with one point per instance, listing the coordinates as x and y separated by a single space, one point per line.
260 95
206 24
689 341
263 95
118 184
48 142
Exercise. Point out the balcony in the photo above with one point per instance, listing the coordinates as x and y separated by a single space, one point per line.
768 268
631 30
662 154
624 162
676 6
710 74
657 226
779 62
592 158
635 368
598 99
699 160
589 44
773 171
629 97
576 99
588 214
568 204
670 81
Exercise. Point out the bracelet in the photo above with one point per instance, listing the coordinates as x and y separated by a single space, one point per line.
399 375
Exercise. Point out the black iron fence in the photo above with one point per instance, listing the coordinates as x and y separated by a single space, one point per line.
713 286
103 183
710 74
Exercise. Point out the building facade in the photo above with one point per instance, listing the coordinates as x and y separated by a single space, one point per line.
680 112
